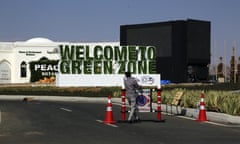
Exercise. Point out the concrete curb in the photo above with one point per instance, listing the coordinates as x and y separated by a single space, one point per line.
193 113
188 112
53 98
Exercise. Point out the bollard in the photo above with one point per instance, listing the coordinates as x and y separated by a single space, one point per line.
159 104
123 107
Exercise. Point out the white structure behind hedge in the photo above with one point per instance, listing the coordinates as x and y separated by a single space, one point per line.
15 56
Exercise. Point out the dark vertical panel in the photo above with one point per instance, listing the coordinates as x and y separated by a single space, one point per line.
198 41
155 35
179 44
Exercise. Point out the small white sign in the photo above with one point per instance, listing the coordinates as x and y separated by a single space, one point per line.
144 100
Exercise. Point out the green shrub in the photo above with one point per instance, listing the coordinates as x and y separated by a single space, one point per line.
217 101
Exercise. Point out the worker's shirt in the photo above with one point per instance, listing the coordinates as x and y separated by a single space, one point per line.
131 86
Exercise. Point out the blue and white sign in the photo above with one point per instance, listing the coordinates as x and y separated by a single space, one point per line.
144 100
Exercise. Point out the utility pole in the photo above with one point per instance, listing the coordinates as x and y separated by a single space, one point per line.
232 67
225 63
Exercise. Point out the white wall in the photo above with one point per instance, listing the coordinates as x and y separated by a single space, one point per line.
28 53
17 52
6 60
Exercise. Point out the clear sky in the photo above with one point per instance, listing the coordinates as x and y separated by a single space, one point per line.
100 20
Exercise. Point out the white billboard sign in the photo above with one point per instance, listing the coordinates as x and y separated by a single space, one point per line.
67 80
105 64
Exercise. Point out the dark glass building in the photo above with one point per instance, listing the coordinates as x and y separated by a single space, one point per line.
183 47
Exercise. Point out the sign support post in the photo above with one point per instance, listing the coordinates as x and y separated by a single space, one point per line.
144 100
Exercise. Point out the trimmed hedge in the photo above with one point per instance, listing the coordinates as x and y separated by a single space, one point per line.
58 91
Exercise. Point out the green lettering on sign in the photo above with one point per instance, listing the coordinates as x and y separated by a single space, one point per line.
132 53
80 52
121 67
120 54
65 67
76 67
108 53
152 67
107 59
151 53
66 53
87 67
142 67
98 52
108 67
88 57
142 51
132 66
97 67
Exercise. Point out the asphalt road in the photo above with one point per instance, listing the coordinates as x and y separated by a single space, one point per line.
39 122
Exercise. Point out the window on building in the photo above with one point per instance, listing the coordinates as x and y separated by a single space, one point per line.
23 69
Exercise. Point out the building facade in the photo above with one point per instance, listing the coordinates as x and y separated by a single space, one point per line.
183 47
16 57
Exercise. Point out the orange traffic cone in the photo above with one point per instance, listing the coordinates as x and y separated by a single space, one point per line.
109 113
202 112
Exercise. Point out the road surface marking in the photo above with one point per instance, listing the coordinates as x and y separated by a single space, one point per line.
224 125
33 133
209 122
189 118
65 109
112 125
